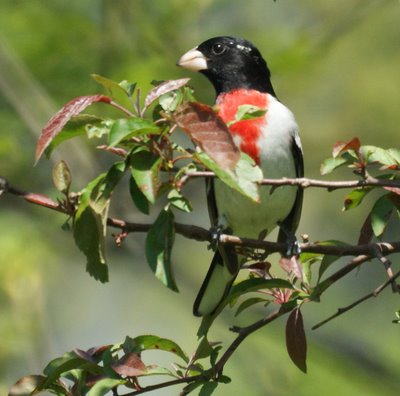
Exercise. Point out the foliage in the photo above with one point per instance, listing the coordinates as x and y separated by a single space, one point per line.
142 146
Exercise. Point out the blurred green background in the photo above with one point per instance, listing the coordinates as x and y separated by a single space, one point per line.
335 63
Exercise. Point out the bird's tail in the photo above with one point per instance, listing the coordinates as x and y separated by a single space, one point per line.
216 285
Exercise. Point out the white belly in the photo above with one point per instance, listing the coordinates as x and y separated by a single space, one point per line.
245 217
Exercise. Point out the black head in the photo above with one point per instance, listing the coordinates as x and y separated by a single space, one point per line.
229 63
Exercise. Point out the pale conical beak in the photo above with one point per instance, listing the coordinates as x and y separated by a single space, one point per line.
193 60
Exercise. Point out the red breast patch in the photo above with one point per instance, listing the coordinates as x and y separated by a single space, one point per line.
248 130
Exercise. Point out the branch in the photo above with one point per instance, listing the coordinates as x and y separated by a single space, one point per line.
149 388
244 332
202 234
374 293
304 182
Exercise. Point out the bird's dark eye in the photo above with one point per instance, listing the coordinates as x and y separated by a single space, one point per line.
218 49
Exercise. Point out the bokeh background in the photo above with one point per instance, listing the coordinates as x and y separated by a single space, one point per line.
335 63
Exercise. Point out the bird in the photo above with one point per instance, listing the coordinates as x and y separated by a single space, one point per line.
240 76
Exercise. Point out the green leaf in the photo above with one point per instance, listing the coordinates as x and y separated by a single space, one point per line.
395 154
206 322
191 387
149 342
138 198
307 273
248 112
307 260
203 350
249 174
373 154
128 87
224 379
380 215
158 370
208 388
180 202
245 178
103 386
89 235
170 101
98 130
255 284
76 126
112 86
312 257
355 197
159 242
330 164
249 303
101 194
90 221
145 168
69 361
62 177
125 128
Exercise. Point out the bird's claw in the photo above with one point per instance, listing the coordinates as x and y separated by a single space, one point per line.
292 244
293 247
216 233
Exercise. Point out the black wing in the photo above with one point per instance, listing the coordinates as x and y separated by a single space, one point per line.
291 222
211 203
223 269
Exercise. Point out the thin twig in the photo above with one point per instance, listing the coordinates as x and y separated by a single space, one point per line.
122 108
357 261
374 293
388 267
244 332
304 182
184 380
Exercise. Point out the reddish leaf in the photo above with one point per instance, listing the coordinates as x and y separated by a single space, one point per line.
395 197
261 269
163 88
296 342
130 365
292 265
41 200
58 121
98 350
366 232
210 133
340 147
84 355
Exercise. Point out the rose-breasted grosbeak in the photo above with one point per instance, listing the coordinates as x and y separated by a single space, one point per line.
240 76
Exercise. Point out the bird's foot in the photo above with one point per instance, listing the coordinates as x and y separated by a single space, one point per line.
293 247
292 244
216 232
